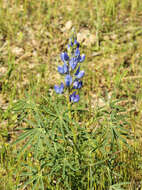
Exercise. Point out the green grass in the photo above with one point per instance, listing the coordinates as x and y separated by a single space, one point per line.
106 124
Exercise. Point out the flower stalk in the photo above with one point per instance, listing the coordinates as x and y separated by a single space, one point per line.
73 76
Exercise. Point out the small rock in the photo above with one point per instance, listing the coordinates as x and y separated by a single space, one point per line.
86 38
17 51
68 26
3 70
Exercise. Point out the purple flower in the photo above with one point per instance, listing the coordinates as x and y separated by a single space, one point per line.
64 57
77 52
68 80
76 43
74 97
71 68
63 69
73 62
59 89
79 74
77 84
81 58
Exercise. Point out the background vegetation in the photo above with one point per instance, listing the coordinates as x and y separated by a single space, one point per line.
105 125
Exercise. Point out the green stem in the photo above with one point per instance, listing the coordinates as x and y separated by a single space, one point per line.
70 118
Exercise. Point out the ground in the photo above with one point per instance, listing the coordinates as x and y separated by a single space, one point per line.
32 36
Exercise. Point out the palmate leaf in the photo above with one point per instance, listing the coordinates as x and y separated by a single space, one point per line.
35 184
26 145
38 146
41 183
48 111
38 183
35 178
30 181
26 174
31 123
31 135
24 136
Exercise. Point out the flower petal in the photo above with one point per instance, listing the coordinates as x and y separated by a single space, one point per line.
77 52
59 89
60 69
63 69
56 88
73 63
80 74
64 57
77 84
82 58
68 80
76 43
74 98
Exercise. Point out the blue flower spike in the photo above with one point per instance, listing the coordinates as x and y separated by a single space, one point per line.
71 69
59 89
74 97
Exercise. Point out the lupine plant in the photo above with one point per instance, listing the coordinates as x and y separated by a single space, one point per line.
71 70
69 148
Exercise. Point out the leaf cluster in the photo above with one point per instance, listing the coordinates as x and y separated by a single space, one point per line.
65 153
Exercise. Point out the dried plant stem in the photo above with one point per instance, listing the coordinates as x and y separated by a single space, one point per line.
132 78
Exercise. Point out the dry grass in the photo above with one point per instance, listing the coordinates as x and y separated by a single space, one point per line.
32 35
